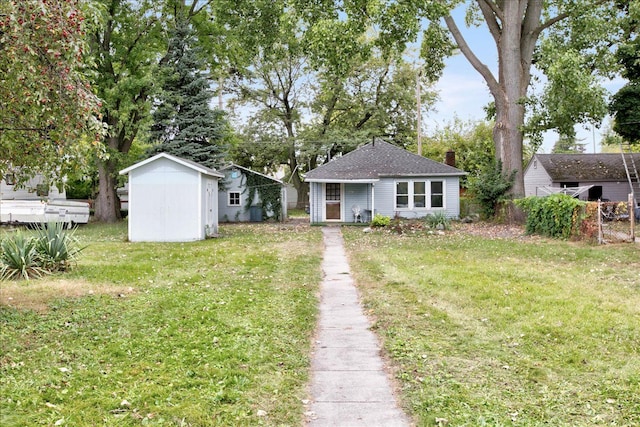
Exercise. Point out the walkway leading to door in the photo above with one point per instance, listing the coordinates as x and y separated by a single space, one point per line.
349 384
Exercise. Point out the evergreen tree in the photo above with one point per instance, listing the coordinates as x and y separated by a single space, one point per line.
568 144
184 124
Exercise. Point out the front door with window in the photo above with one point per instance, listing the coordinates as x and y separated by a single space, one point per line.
332 201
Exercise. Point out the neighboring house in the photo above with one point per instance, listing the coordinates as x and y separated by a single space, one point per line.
590 176
382 178
235 195
171 200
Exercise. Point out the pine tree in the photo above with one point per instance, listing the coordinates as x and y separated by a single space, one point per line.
184 124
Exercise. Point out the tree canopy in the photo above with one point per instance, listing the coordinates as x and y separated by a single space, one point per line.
47 109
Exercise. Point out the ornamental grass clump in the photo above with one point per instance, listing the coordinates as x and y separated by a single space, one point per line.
19 258
56 246
438 220
52 249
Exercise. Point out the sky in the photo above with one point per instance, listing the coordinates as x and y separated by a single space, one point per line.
464 93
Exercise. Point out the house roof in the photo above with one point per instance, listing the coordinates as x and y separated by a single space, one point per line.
185 162
584 167
379 159
233 165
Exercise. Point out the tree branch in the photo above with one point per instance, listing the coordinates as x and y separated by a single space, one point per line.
484 71
488 11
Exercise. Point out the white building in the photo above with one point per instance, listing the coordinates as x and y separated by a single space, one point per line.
172 200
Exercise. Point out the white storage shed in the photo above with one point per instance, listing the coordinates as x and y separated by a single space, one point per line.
172 199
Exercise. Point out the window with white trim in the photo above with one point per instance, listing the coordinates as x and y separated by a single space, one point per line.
402 194
437 194
234 198
419 195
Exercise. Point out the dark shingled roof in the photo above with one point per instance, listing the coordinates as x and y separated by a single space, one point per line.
585 167
378 159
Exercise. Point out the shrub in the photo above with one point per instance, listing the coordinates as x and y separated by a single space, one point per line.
557 216
56 246
438 220
490 188
52 249
380 221
19 258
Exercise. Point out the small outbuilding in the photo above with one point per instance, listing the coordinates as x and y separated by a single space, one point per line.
248 195
587 176
172 199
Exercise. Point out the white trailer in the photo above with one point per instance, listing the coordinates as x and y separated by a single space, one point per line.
35 211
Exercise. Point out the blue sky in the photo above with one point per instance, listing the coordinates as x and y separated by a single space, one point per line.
464 93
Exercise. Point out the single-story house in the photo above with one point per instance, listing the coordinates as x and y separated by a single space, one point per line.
586 176
239 196
382 178
172 199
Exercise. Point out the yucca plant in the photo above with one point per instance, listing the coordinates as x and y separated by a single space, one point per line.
19 258
438 220
56 246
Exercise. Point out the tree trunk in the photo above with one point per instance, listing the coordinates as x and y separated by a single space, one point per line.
107 202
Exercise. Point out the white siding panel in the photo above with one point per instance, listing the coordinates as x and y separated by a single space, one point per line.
535 176
164 203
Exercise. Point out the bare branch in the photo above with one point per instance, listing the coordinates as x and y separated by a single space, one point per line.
488 8
481 68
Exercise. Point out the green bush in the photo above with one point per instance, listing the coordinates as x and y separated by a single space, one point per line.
557 216
19 258
380 221
56 246
490 188
438 220
52 249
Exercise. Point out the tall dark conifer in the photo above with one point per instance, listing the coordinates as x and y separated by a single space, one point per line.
184 124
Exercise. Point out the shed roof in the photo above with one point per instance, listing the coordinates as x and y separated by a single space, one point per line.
379 159
584 167
185 162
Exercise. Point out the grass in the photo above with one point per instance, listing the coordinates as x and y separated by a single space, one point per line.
479 331
502 332
207 333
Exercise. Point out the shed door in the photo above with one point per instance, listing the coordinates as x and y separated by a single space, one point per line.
332 201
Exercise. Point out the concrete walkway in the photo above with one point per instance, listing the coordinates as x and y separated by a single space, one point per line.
349 384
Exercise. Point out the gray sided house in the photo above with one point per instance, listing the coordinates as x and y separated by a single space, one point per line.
593 176
172 199
384 179
238 202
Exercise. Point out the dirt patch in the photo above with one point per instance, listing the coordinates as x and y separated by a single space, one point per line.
37 295
493 231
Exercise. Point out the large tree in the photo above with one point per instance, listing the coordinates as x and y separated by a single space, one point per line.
131 44
47 109
303 116
625 105
184 124
125 51
516 27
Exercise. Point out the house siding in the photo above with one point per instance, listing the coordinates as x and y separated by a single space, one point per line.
534 177
383 199
233 213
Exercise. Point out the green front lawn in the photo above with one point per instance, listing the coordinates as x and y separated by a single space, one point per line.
479 330
216 332
500 332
